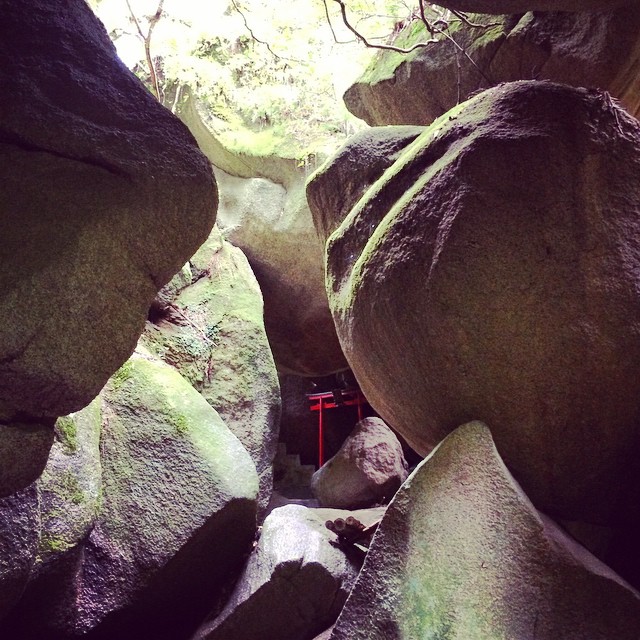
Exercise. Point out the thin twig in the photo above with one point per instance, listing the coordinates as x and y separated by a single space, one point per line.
386 47
475 25
135 20
465 54
253 35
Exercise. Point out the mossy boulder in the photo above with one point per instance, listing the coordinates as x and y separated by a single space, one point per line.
103 196
263 211
213 333
492 272
590 49
142 539
462 553
71 485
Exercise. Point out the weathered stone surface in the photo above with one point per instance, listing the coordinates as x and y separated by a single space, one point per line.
24 450
492 271
70 487
263 210
462 553
368 468
515 6
176 512
365 158
213 334
19 532
590 49
103 194
69 494
293 586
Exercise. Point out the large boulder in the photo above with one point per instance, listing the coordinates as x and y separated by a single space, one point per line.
599 49
142 541
369 468
462 553
294 584
263 210
103 196
210 327
492 272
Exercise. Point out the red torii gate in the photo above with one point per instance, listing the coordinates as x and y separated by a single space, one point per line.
331 400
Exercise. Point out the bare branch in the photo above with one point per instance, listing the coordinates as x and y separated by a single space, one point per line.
463 51
475 25
386 47
135 20
326 13
253 35
153 20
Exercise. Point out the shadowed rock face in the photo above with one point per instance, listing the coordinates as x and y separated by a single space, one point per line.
589 49
462 553
294 584
103 196
492 272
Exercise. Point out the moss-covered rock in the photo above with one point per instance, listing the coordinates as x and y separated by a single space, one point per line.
71 485
462 553
263 210
590 49
492 271
213 334
142 538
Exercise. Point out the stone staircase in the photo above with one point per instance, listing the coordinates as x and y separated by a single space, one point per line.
291 479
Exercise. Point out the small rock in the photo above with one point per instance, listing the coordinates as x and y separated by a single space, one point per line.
293 586
368 468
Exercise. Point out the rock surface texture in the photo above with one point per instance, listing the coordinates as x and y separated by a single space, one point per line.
462 553
138 537
263 211
293 586
103 196
492 272
211 330
589 49
369 468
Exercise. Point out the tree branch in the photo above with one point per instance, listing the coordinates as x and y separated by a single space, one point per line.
153 20
386 47
253 35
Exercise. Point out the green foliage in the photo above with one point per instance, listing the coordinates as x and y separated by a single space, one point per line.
270 80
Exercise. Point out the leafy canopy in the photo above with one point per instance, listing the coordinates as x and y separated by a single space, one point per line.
265 74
